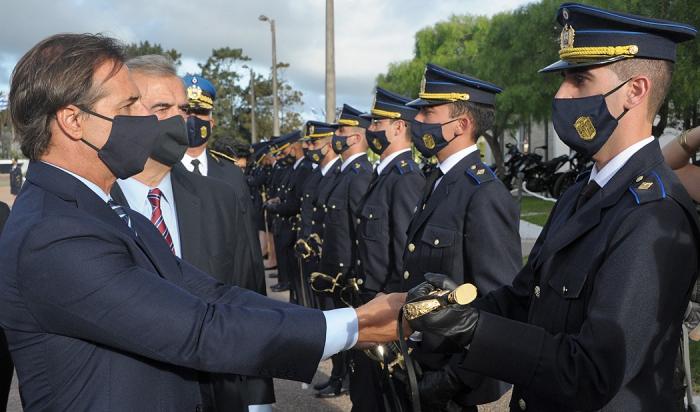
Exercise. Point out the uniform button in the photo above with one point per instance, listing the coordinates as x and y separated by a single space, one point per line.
340 264
313 222
537 291
323 225
360 281
411 247
370 216
314 209
436 242
357 241
307 195
358 220
332 206
564 290
406 275
521 404
359 262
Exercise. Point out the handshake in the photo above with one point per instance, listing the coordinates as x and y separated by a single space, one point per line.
442 310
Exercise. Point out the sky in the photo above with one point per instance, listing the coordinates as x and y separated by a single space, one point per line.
369 34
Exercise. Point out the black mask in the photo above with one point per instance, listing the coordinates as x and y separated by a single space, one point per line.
377 141
428 138
315 155
129 144
585 123
339 144
286 160
171 144
198 131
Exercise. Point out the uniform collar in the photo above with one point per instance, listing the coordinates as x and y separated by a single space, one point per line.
349 160
298 162
329 166
455 158
384 163
203 162
603 176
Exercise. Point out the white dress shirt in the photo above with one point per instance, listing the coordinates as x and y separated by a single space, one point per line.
349 160
603 176
203 163
328 166
342 329
136 194
385 162
452 160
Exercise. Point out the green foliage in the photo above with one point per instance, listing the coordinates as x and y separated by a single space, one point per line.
145 47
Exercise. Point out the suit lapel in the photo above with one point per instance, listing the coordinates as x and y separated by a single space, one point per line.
188 216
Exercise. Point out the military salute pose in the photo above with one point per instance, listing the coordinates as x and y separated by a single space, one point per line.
593 320
466 224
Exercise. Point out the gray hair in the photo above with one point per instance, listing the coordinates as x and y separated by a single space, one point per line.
153 64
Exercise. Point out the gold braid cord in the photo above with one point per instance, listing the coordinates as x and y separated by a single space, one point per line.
575 53
444 96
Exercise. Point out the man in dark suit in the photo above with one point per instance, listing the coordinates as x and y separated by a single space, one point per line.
285 207
466 225
200 215
98 312
199 159
6 366
592 322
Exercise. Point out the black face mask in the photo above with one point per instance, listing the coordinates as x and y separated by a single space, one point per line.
428 138
171 144
339 144
315 155
286 160
377 141
198 131
585 123
129 144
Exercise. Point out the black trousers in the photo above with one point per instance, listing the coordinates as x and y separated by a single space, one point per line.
6 370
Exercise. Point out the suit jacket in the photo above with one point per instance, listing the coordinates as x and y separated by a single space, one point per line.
593 320
385 213
340 221
466 228
226 171
100 316
209 222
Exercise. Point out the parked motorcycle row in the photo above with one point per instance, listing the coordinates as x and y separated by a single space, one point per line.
550 178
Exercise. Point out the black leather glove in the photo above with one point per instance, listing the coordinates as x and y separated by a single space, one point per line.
455 322
432 282
437 388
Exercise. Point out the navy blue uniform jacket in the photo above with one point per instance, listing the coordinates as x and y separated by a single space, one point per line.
98 318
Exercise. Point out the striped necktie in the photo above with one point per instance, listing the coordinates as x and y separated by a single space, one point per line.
154 196
119 210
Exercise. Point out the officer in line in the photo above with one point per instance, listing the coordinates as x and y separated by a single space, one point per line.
466 225
281 163
592 322
396 186
383 216
258 174
341 223
285 206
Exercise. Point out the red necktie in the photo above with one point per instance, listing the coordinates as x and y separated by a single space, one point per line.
154 196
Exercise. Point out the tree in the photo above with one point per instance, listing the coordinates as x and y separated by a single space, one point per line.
145 47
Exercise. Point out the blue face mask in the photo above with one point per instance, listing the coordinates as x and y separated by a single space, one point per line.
339 144
428 138
585 123
198 131
377 141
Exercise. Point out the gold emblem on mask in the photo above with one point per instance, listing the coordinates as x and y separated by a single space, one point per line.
428 141
203 132
316 157
376 144
338 145
566 38
585 128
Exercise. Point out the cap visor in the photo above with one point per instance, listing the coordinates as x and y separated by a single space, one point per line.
425 103
564 65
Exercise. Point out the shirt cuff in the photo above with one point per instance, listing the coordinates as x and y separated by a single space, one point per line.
341 331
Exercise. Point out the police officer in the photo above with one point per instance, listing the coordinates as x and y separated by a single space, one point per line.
466 225
285 206
593 319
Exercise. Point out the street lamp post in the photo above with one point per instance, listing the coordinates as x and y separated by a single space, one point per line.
275 102
330 63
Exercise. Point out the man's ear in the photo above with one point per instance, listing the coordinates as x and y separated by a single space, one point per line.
70 120
637 91
464 126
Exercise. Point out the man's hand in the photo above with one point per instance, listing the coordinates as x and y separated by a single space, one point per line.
433 281
455 322
377 319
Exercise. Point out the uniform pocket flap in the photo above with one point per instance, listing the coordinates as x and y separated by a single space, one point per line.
438 237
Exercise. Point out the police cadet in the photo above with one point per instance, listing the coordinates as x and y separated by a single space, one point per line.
285 206
395 189
259 171
466 224
592 322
